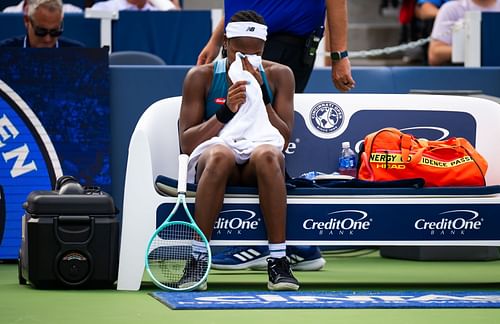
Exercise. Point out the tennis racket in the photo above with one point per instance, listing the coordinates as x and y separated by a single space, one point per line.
178 254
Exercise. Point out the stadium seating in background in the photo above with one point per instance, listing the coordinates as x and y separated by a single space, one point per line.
7 3
134 58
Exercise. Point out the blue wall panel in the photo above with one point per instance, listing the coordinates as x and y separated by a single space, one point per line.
368 80
490 45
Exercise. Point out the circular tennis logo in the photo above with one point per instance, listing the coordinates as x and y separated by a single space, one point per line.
29 162
327 116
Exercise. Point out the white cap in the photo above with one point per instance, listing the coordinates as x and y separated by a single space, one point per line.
346 145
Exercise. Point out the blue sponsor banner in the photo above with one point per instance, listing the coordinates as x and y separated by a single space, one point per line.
348 223
328 299
54 120
235 221
393 222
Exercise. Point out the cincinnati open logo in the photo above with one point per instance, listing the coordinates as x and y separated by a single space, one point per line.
29 161
234 221
452 222
341 222
327 116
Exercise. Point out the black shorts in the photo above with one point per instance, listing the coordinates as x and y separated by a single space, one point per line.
290 50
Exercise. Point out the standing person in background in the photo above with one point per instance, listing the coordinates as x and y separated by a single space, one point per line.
293 25
295 28
43 20
440 46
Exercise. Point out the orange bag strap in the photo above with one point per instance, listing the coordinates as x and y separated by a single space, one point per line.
406 145
410 143
474 154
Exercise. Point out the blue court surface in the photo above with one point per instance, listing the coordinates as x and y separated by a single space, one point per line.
328 299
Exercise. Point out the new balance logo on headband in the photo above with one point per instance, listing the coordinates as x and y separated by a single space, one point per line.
246 29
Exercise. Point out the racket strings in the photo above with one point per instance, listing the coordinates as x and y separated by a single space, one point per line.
177 258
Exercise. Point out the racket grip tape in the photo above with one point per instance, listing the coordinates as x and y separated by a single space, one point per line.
182 179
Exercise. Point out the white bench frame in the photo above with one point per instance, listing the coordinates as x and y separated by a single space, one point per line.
154 147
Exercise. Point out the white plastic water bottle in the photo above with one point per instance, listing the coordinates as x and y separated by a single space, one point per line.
347 160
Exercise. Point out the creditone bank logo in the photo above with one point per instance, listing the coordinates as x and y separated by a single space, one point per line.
327 116
342 222
234 221
452 222
28 161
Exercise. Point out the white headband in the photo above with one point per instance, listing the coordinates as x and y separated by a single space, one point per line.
246 29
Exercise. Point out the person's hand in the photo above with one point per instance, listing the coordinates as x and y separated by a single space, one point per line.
341 75
236 95
208 54
247 66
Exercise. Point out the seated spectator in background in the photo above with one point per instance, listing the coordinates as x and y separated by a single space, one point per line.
23 5
428 9
165 5
451 12
134 5
417 21
43 20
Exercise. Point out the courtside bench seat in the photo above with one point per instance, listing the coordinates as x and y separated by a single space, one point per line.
325 216
168 187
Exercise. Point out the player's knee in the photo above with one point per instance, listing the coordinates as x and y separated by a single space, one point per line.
269 158
220 160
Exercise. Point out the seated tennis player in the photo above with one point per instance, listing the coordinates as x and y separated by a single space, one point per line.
236 119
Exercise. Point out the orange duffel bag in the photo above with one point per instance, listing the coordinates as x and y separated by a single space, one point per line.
390 154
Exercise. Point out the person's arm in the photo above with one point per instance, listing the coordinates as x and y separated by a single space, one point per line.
439 53
426 10
193 130
336 11
211 50
176 3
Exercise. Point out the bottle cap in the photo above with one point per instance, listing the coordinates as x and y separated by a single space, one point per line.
346 145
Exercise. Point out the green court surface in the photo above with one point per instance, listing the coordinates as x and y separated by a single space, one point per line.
356 271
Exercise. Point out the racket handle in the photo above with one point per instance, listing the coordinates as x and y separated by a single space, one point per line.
182 179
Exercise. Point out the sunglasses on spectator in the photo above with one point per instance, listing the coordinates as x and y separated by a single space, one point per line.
42 32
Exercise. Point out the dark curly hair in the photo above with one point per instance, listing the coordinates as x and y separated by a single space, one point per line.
248 15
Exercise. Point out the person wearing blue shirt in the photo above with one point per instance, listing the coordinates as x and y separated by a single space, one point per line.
295 28
44 26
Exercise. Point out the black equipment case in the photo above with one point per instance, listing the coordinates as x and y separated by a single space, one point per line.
69 240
